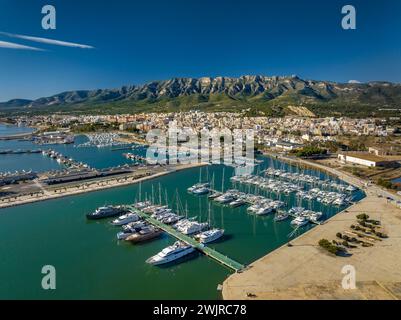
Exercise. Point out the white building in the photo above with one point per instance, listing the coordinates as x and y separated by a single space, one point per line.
363 159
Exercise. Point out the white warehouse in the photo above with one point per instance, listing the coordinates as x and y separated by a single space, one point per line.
363 159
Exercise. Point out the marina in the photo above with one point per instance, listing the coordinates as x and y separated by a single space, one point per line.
247 237
236 266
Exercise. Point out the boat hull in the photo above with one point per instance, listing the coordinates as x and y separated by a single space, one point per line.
171 258
136 238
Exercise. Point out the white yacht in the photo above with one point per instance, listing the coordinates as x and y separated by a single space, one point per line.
296 211
299 221
106 212
210 235
201 191
351 188
177 250
264 210
281 216
142 205
197 186
340 202
237 203
315 216
214 195
225 198
192 227
125 218
254 208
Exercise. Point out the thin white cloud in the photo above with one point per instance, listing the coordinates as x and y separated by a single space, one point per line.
47 41
354 82
12 45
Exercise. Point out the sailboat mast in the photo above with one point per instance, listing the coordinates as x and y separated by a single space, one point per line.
222 181
178 208
160 194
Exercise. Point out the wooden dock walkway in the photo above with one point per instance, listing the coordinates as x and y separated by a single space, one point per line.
221 258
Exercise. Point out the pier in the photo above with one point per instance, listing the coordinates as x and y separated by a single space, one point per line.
215 255
20 151
17 136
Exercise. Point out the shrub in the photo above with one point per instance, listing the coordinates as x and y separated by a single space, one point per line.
311 151
339 235
362 223
373 222
362 216
381 235
385 183
332 248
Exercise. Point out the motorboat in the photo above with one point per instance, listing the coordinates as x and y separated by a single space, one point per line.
299 221
264 210
209 235
144 234
225 198
125 218
214 195
237 203
142 205
198 186
201 191
176 251
106 212
134 225
192 227
281 216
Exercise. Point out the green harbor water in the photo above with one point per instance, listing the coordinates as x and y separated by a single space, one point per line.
91 263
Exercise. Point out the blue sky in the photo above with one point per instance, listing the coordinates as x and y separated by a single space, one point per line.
139 41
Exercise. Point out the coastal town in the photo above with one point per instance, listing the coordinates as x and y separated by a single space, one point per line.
206 157
364 153
356 144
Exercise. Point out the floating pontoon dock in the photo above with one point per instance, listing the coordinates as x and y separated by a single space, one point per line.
228 262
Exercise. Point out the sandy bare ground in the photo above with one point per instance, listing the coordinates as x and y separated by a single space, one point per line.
305 271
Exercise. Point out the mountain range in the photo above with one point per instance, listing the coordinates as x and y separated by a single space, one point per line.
257 94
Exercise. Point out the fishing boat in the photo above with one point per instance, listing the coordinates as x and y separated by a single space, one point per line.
176 251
